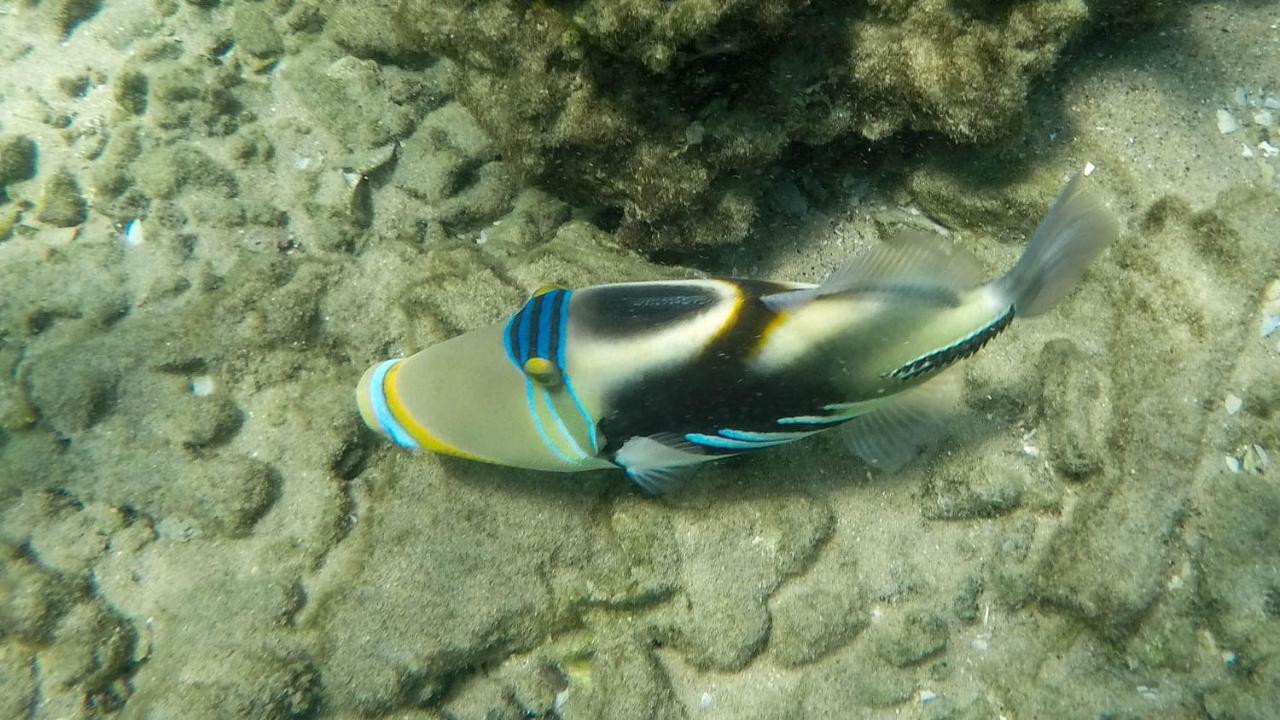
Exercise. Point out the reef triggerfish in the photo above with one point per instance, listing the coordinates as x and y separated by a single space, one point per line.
656 377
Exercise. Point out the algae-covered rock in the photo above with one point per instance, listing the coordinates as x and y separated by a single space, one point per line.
854 680
1240 564
424 559
357 100
991 193
731 560
993 487
253 684
17 159
187 417
1076 408
252 29
910 638
69 393
191 95
32 599
369 29
70 539
674 114
626 681
534 218
163 172
61 203
67 14
1107 564
17 677
131 91
90 649
227 496
817 613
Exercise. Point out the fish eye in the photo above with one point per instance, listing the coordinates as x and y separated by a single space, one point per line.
542 371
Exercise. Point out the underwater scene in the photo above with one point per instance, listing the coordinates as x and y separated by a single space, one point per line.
639 359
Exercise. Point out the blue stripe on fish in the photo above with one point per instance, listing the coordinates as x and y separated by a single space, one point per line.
539 330
764 437
564 429
721 442
537 425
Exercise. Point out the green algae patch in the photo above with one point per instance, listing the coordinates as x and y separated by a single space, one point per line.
165 171
61 203
252 28
1075 408
17 159
67 14
130 92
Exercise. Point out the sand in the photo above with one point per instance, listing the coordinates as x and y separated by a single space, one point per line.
214 219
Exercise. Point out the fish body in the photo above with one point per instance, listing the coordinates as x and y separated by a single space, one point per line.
656 377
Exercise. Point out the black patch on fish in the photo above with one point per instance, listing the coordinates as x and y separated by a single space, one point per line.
718 389
631 309
939 359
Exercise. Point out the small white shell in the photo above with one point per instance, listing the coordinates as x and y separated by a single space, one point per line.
1232 403
202 386
1089 168
695 133
1227 122
1270 323
132 234
1254 459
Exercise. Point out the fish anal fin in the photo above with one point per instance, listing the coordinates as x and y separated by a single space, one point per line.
902 427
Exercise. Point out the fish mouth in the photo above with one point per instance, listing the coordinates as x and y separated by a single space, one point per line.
371 398
364 402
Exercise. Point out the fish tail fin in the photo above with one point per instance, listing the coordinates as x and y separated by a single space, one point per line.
1077 227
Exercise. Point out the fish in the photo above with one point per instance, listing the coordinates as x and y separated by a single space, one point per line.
656 378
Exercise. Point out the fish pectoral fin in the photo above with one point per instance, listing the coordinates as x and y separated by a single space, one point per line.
659 464
902 427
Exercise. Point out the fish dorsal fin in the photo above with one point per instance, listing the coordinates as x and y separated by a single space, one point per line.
913 266
659 463
912 262
903 426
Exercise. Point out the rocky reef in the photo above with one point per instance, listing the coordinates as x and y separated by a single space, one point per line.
222 212
673 116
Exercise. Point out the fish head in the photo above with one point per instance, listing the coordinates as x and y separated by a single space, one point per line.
469 398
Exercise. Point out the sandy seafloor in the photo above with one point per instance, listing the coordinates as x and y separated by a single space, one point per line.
194 525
